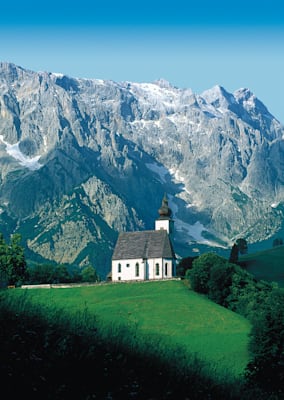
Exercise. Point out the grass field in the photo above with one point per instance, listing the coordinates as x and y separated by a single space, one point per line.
167 311
267 264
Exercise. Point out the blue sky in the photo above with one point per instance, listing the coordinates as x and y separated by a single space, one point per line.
192 44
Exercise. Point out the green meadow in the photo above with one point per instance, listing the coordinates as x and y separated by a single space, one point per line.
267 264
167 311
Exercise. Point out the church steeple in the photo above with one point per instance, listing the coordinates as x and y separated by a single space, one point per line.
164 221
165 211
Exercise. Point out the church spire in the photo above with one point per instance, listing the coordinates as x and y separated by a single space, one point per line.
164 210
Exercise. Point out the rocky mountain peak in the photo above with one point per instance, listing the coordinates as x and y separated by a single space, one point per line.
164 84
219 97
251 103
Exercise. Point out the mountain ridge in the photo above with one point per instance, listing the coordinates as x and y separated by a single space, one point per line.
81 145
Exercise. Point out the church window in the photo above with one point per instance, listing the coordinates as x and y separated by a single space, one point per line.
166 269
137 269
157 269
119 268
128 265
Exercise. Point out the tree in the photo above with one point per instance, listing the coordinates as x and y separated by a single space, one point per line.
184 265
12 260
228 284
220 282
89 274
277 242
61 274
3 261
17 261
199 276
247 294
234 255
242 245
267 345
42 273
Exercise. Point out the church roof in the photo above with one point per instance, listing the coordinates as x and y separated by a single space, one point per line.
143 244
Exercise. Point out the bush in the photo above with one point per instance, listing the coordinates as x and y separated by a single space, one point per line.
200 275
228 284
185 265
220 282
261 302
13 268
247 294
267 345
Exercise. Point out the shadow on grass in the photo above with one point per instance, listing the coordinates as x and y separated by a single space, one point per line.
48 355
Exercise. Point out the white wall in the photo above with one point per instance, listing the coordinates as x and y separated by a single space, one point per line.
128 270
147 269
162 224
166 224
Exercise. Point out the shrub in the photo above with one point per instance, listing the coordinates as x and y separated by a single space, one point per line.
201 271
220 282
266 369
185 265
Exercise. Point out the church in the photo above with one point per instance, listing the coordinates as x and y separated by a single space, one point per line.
146 255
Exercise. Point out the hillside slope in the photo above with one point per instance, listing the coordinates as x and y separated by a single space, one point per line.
165 311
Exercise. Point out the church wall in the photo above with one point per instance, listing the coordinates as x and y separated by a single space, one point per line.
152 268
139 269
162 224
160 268
133 269
168 268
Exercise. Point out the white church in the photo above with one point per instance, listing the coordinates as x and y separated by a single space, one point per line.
146 255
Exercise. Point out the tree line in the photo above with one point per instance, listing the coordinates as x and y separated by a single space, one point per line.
14 270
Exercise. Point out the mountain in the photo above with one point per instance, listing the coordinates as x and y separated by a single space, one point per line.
82 159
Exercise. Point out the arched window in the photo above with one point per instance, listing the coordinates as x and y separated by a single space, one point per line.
166 269
137 269
157 269
119 268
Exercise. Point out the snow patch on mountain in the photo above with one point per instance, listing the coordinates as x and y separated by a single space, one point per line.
157 94
176 174
191 232
14 151
275 205
161 171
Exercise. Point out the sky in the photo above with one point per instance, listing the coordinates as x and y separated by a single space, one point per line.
191 43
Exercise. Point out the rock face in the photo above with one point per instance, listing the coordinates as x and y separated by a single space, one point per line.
83 159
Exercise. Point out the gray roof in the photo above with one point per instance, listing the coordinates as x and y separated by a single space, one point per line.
144 244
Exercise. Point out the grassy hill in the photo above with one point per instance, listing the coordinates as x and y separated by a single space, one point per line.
267 264
166 311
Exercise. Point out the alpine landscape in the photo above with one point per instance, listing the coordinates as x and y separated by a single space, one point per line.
84 159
